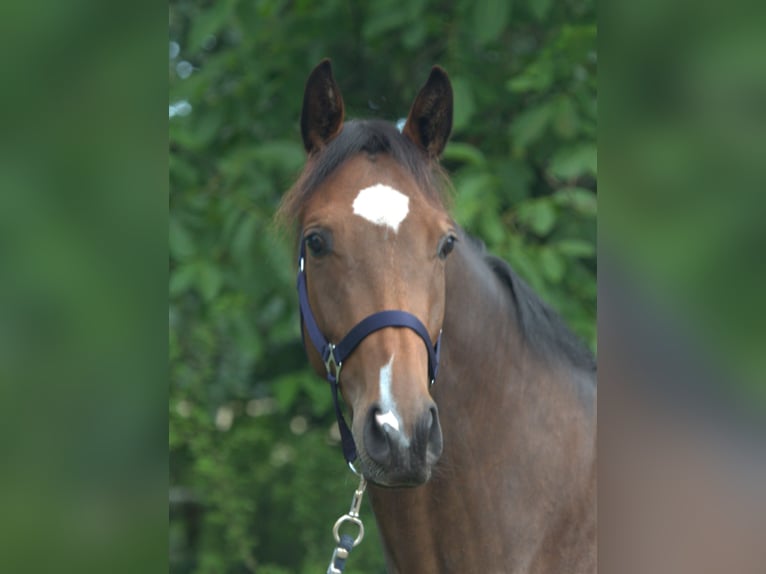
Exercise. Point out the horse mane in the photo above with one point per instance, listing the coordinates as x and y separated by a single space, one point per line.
371 137
541 327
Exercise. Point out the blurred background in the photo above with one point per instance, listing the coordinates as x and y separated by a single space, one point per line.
257 477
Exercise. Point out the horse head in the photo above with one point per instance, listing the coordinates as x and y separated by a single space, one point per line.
375 237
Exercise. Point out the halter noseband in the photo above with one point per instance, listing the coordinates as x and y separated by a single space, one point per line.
334 355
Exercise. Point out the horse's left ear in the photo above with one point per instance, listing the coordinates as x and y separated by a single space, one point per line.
430 121
322 116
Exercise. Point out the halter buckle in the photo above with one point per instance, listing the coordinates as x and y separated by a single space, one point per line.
333 368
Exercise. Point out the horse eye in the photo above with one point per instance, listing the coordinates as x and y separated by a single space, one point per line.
316 244
447 245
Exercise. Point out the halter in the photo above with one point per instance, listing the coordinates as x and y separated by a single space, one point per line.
334 355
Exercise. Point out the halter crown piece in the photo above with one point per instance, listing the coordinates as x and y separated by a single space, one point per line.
333 355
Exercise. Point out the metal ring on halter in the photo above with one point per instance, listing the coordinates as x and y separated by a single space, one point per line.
348 518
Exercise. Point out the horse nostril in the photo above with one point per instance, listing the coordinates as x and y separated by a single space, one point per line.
434 433
376 440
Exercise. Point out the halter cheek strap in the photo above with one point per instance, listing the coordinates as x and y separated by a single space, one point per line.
334 355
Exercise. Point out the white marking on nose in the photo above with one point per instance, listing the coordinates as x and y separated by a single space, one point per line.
389 415
388 418
386 400
382 205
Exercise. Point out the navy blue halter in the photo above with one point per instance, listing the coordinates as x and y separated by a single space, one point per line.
334 355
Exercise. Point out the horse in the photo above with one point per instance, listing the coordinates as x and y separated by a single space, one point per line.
472 405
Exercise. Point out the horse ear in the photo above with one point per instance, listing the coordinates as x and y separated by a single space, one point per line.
322 115
430 121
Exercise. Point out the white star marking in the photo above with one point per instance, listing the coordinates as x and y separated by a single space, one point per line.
382 205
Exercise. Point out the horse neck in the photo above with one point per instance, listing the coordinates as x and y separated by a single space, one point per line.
505 464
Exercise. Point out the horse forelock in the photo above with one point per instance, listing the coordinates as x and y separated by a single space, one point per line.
371 137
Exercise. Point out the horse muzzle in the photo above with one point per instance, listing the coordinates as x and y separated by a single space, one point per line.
391 457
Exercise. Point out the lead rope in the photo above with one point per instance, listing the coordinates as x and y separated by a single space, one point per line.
346 542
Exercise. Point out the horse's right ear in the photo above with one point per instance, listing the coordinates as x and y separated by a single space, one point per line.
322 115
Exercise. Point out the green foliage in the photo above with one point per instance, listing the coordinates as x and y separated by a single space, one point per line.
257 476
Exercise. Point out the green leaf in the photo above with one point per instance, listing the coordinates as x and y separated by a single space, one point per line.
489 19
384 22
530 125
537 77
520 260
208 23
575 248
320 397
577 199
288 155
197 132
182 279
244 237
565 118
575 161
539 216
464 153
552 264
280 156
474 192
464 105
286 390
492 229
210 280
180 242
415 33
539 8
